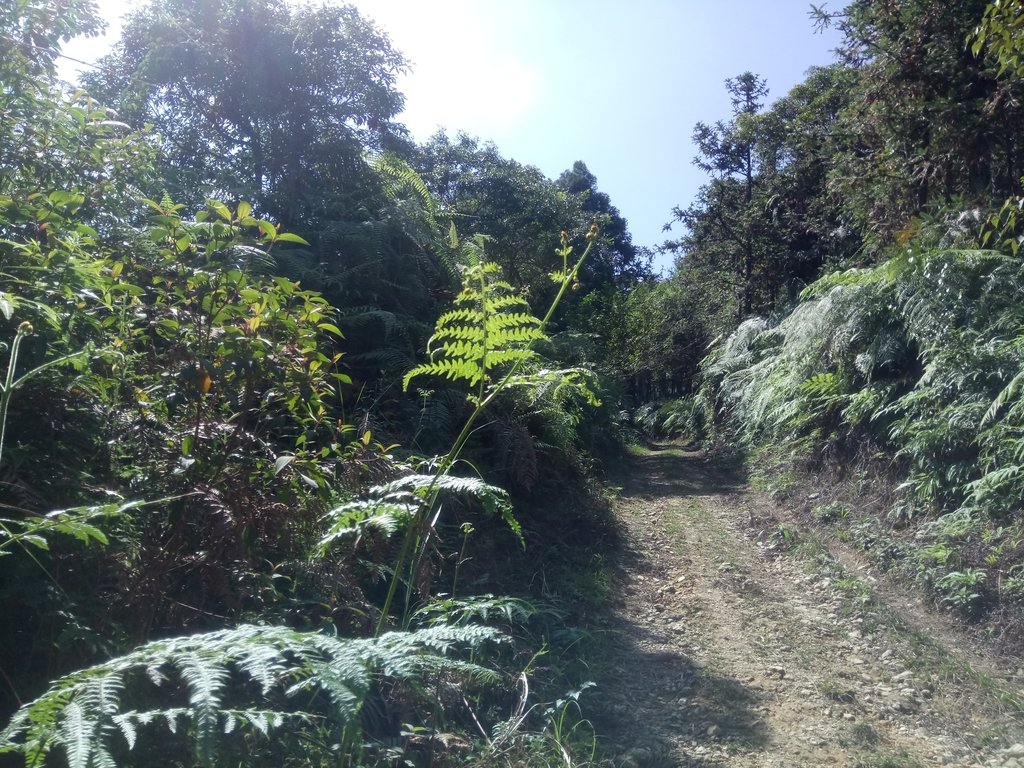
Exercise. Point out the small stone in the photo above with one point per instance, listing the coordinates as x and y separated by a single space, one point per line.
903 705
905 675
714 731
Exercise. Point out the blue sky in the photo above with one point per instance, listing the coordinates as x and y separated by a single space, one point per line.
554 81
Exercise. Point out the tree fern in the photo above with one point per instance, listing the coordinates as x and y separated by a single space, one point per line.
81 714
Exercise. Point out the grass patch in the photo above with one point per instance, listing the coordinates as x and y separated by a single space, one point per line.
886 759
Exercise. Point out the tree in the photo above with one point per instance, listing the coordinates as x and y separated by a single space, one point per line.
51 139
615 261
259 100
930 126
1000 34
799 137
515 205
728 222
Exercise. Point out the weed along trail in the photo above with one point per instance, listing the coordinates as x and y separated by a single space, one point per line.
738 639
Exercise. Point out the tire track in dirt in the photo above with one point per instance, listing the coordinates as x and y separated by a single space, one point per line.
722 651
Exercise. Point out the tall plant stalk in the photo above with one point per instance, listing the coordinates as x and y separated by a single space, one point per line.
416 535
11 383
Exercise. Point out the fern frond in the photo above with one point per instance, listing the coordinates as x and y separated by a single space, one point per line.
462 332
80 713
206 679
489 328
1010 392
497 359
390 506
452 370
352 519
401 179
483 608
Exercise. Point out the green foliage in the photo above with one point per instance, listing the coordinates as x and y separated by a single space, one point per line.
920 357
921 103
387 508
224 677
263 101
480 609
81 523
960 588
490 330
687 417
521 212
833 511
999 35
177 355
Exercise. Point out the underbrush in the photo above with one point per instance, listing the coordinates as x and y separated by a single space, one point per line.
964 565
906 379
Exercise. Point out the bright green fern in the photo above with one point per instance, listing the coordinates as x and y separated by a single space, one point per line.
490 330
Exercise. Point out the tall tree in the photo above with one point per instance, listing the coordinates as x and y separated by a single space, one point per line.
728 220
258 99
615 261
515 205
799 139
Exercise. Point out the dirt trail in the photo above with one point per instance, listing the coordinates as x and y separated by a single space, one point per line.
732 648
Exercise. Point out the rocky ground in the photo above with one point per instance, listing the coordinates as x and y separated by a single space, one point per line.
740 639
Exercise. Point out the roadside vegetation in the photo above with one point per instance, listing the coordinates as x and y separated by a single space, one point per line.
303 423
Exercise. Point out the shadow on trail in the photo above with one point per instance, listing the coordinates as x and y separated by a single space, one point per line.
669 469
660 707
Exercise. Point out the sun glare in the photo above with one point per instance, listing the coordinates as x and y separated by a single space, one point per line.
462 76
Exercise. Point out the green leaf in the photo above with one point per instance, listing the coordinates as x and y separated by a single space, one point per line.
35 540
244 209
220 209
267 229
281 463
331 328
288 237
